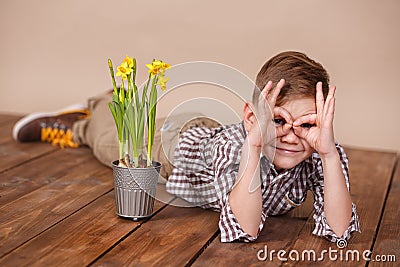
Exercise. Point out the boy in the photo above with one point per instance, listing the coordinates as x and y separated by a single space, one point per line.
231 169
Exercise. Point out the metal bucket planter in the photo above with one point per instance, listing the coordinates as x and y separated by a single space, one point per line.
135 189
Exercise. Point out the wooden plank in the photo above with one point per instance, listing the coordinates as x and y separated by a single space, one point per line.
370 173
34 174
6 131
13 153
37 211
77 240
305 210
387 243
279 232
171 238
9 117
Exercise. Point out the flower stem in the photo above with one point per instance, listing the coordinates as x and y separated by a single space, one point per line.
123 148
110 66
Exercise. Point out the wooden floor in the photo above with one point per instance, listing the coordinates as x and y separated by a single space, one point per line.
57 208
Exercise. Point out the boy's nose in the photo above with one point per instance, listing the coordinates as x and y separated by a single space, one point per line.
289 136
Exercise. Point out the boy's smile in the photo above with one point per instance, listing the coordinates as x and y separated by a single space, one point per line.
291 149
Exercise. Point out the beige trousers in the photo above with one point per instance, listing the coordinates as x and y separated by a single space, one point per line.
98 131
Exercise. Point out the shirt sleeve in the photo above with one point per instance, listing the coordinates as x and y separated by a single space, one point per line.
322 227
230 227
226 160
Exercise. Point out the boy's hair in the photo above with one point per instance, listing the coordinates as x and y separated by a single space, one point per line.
300 73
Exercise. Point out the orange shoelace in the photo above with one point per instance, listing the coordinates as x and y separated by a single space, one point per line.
59 137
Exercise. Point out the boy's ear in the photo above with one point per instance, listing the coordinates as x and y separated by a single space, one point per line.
248 115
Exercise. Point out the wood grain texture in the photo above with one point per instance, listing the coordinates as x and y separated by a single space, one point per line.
388 240
370 174
32 175
6 131
13 154
280 232
171 238
57 207
9 117
79 239
37 211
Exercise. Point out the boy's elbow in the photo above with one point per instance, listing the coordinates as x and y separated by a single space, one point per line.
340 229
251 231
254 234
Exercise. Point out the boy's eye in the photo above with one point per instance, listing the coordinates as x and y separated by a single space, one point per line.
307 125
279 121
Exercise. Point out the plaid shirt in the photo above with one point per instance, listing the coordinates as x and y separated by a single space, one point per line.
206 165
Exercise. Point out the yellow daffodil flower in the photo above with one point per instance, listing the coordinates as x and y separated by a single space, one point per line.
129 61
162 81
124 70
165 66
157 63
131 132
157 67
153 70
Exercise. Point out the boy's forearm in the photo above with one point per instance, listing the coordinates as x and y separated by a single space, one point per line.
245 198
337 200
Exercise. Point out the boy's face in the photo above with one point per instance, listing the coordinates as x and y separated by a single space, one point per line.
291 149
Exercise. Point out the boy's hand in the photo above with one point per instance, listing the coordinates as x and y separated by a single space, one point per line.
320 136
261 134
284 123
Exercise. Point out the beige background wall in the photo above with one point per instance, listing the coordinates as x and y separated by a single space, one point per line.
54 53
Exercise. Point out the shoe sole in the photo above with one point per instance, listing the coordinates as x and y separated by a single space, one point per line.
36 115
